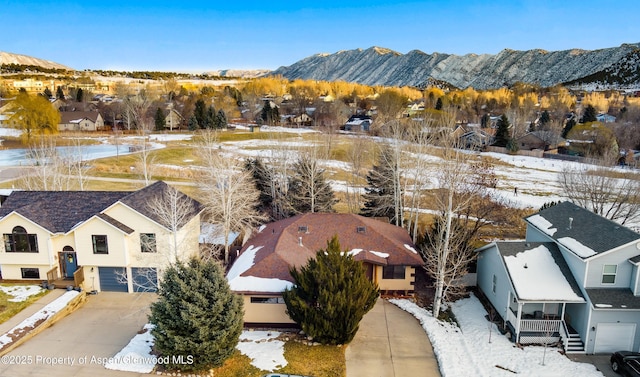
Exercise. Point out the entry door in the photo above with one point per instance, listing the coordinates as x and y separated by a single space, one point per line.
70 263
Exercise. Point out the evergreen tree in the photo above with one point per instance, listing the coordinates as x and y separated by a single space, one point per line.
79 95
160 119
200 113
502 133
47 93
330 295
439 103
196 314
590 114
210 119
59 93
270 114
221 119
193 123
308 190
568 127
485 121
544 120
383 192
273 201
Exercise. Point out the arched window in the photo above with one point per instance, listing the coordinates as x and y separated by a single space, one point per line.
19 241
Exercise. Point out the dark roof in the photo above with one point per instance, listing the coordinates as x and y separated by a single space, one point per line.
295 240
69 116
115 223
59 211
613 298
594 231
141 201
512 248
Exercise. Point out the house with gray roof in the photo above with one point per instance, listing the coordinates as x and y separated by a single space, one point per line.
574 279
98 240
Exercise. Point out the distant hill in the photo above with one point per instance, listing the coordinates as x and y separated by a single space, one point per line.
9 58
381 66
242 73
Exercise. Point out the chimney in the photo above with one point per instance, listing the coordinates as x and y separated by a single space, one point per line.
300 241
570 222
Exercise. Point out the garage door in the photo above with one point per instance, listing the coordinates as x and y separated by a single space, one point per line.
145 279
611 337
113 279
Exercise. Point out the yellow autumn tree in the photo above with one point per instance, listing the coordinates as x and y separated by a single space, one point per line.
34 116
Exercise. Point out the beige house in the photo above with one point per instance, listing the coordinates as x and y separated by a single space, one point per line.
80 121
98 240
173 119
261 271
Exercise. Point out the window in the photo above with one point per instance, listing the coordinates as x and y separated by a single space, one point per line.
19 241
148 242
494 283
30 273
361 229
267 300
303 229
393 272
609 273
99 244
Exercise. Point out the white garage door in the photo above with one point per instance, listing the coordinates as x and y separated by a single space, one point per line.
611 337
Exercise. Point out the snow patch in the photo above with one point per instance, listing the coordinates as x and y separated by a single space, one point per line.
542 224
575 246
136 356
263 349
20 292
410 248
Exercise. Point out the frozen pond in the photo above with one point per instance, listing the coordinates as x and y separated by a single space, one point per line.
20 157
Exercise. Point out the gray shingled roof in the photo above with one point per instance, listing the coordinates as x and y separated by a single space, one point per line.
592 230
512 248
59 211
613 298
139 201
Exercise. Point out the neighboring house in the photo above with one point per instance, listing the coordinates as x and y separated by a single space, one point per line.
80 121
605 118
531 141
261 272
101 240
575 278
173 119
358 123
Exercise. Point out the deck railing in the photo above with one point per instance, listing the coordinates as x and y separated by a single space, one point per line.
52 275
550 326
78 277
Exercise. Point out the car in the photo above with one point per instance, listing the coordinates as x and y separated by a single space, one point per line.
626 363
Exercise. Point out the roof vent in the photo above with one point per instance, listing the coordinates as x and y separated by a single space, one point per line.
361 229
570 222
300 241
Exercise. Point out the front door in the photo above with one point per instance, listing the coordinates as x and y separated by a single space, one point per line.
70 263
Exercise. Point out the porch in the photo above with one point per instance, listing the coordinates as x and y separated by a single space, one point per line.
542 323
55 280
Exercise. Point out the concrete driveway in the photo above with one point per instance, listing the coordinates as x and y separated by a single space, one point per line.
390 343
100 329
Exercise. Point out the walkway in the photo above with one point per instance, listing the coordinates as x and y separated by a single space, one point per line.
390 343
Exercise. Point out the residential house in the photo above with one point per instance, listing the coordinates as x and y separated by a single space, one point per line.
99 240
80 121
574 279
605 118
173 119
358 123
541 140
261 271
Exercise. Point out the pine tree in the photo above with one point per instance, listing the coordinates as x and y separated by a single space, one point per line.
439 104
47 93
544 120
308 190
79 95
590 114
221 119
330 295
193 123
210 118
59 93
383 192
160 119
273 201
567 127
502 133
196 314
200 113
485 121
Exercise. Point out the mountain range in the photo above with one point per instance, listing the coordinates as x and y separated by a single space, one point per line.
10 58
608 67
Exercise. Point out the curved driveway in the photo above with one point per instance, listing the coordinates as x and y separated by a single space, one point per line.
390 343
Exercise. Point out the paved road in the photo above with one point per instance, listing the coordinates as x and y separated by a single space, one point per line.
101 328
390 343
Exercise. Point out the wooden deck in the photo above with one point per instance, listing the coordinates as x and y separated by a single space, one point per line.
62 283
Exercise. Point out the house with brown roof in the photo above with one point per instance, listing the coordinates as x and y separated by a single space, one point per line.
80 121
260 273
98 240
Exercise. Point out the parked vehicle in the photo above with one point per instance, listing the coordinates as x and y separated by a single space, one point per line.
626 363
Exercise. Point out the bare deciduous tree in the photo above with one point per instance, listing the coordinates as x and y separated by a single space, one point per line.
230 197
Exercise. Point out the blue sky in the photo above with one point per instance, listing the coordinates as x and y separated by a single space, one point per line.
196 36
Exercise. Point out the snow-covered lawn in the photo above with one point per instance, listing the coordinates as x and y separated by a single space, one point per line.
262 347
467 351
20 292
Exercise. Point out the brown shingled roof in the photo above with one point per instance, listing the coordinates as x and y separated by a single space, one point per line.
293 241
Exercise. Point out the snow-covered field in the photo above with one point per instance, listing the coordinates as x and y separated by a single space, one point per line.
477 349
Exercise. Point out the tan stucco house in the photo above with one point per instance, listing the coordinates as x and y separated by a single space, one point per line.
99 240
260 273
80 121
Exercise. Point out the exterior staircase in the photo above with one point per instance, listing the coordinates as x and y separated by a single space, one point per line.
573 343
